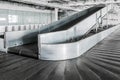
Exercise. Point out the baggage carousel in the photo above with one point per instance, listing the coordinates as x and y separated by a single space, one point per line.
102 62
26 43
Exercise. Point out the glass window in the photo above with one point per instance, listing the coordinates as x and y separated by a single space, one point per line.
12 18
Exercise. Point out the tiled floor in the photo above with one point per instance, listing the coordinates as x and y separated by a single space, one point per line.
102 62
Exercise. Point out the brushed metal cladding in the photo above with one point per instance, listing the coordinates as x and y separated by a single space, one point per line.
77 30
16 38
71 50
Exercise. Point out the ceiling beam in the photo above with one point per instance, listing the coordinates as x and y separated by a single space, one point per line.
64 7
36 2
93 3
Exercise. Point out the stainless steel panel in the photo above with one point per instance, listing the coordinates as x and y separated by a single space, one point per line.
57 37
71 50
16 38
85 25
51 37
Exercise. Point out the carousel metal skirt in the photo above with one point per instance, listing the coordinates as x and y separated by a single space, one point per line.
61 51
102 62
69 50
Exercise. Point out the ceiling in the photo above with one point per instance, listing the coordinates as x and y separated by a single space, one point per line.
75 5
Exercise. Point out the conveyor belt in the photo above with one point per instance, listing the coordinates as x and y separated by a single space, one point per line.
30 50
1 36
102 62
69 21
82 17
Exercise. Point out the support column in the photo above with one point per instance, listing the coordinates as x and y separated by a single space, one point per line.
56 14
107 16
97 22
101 20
